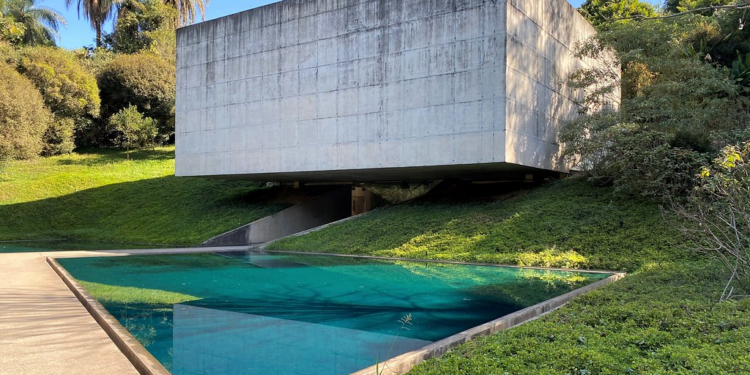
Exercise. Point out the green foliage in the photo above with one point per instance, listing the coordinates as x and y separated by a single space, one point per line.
633 158
601 13
135 130
565 224
675 106
142 80
58 138
147 25
10 30
99 197
39 23
740 71
67 88
715 220
657 320
23 117
676 6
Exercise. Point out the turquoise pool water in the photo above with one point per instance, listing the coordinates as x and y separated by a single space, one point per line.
254 313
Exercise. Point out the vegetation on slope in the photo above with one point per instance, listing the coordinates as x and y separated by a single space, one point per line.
565 224
102 197
662 318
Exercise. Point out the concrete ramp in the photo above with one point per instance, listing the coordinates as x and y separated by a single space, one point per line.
327 208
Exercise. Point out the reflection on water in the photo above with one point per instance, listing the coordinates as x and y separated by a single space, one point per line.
298 314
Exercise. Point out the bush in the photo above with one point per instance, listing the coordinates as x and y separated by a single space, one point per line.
142 80
716 217
58 138
632 158
67 88
23 117
134 130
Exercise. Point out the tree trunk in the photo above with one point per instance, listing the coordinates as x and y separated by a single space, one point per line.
98 36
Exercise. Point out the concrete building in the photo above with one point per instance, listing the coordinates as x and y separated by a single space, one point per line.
377 90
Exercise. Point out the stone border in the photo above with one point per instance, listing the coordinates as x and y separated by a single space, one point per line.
141 359
405 362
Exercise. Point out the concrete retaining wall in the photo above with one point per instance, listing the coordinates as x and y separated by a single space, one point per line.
325 209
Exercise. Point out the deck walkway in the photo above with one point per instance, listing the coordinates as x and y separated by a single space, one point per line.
44 329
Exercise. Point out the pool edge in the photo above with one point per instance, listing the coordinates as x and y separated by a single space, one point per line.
405 362
145 363
142 360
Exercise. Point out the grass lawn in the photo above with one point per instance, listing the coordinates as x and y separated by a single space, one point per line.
661 319
100 197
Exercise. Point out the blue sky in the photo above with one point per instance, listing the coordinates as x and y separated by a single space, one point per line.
78 33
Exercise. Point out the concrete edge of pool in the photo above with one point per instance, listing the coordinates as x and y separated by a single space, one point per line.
405 362
141 359
145 363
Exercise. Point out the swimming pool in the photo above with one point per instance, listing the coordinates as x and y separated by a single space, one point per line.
249 312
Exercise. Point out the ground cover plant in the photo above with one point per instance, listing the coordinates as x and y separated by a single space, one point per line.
664 317
100 196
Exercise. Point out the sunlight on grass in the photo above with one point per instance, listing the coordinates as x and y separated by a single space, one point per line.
552 257
124 294
42 178
98 196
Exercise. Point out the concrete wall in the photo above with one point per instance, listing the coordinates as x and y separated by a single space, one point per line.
541 38
325 209
299 89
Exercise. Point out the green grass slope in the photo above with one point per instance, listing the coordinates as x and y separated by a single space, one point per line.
100 196
663 318
564 224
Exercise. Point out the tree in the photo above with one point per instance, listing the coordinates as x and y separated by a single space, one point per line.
602 12
676 6
134 130
10 30
143 80
146 25
675 109
40 24
187 10
23 117
97 12
68 90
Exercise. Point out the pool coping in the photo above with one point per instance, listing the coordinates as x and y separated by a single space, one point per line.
405 362
143 361
147 364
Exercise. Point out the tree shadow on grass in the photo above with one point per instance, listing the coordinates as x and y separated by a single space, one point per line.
166 210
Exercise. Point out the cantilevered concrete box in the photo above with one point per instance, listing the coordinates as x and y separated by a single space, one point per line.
356 90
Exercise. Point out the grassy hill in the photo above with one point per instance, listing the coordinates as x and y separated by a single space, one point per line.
99 196
663 318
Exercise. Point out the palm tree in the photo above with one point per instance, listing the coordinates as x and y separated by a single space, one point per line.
40 23
96 12
187 10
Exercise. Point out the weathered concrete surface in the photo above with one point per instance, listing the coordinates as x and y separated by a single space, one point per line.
44 329
325 209
366 90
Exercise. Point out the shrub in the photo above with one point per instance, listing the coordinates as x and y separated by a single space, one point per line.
58 138
67 88
23 117
144 81
716 217
632 158
134 130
